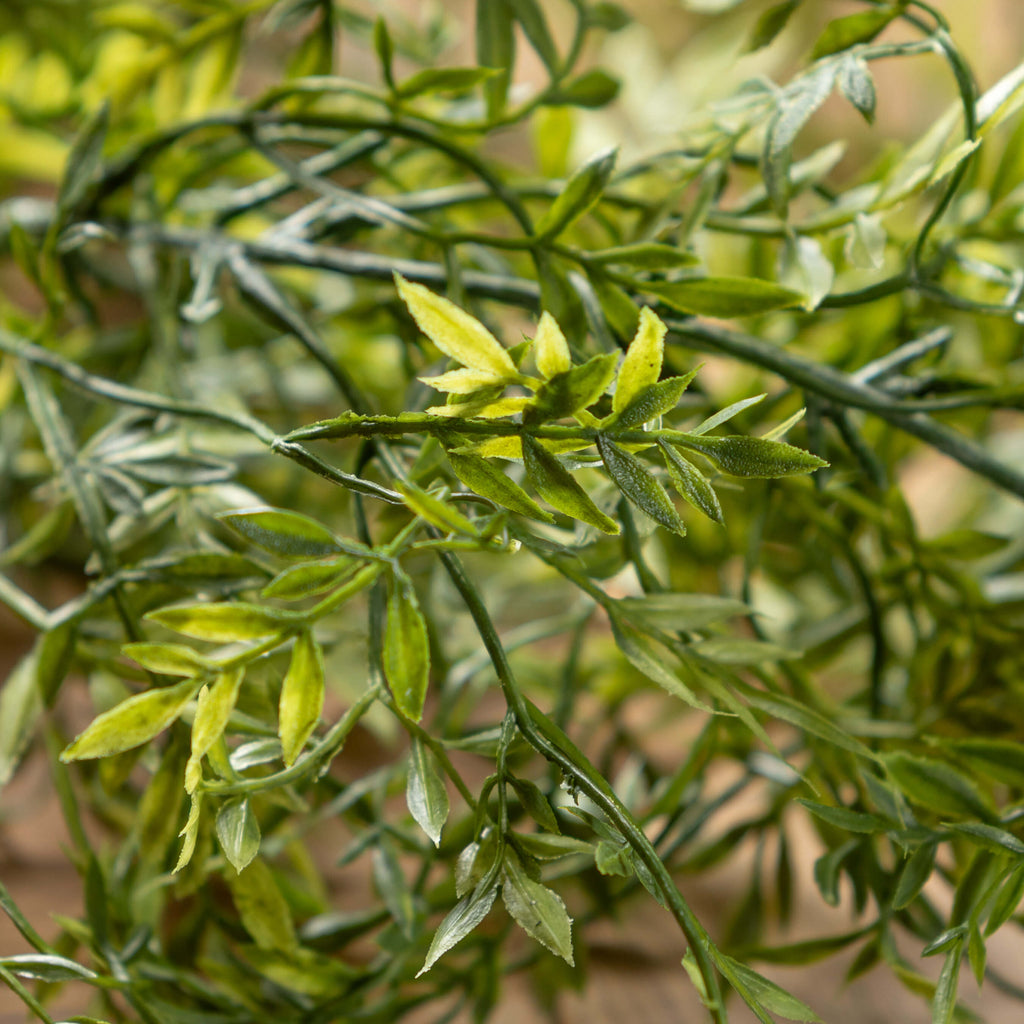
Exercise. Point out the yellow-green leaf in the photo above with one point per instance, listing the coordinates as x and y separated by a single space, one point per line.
238 832
168 659
302 696
406 648
490 482
463 382
225 622
262 908
642 365
551 350
435 511
213 709
724 296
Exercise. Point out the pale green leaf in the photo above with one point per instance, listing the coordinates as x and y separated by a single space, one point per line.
168 659
463 382
283 532
238 832
724 297
302 696
538 910
406 648
213 709
581 192
641 366
46 967
425 793
551 350
460 921
262 908
225 622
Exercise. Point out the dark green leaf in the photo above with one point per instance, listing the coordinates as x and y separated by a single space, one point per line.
548 846
849 821
406 648
653 401
495 48
443 80
770 24
553 482
238 832
569 392
690 483
609 16
461 920
595 88
425 793
724 297
1007 900
83 161
385 51
977 954
639 485
535 803
750 456
283 532
1002 760
757 990
996 839
944 1002
530 16
302 696
936 785
645 256
853 30
581 192
490 482
538 910
827 868
915 873
807 952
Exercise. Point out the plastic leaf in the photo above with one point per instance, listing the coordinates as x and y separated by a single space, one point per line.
238 832
724 297
530 16
753 456
581 192
551 350
213 709
443 80
538 910
309 578
1002 760
857 85
691 484
283 532
556 486
168 659
435 511
20 708
190 831
758 990
45 967
225 622
770 24
302 696
641 366
463 382
852 30
406 648
846 819
680 611
460 921
915 873
936 785
495 48
639 485
944 1001
651 402
644 256
569 392
594 88
262 908
996 839
455 332
535 803
425 793
489 482
132 722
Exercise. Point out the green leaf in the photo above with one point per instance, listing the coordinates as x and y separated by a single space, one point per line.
996 839
20 708
750 456
238 832
443 80
538 910
490 482
567 393
454 331
190 831
757 990
849 821
530 16
977 954
225 622
609 16
393 887
644 256
807 952
548 846
213 709
653 401
1007 900
406 648
464 382
302 696
84 161
641 366
168 659
690 483
425 793
639 485
551 350
856 84
535 803
46 967
915 873
944 1002
475 861
309 578
595 88
460 921
132 722
495 48
553 482
770 24
678 611
724 297
1002 760
262 909
283 532
935 785
581 192
853 30
385 50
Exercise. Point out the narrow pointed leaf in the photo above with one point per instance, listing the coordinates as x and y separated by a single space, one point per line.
20 708
283 532
463 382
556 486
495 48
551 350
849 820
435 511
691 484
538 910
46 967
639 485
770 24
530 15
309 578
261 906
302 696
190 832
406 648
594 88
653 401
641 366
989 836
857 85
238 832
751 456
460 921
645 256
944 1001
225 622
569 392
213 710
443 80
1007 900
724 297
425 793
455 332
677 611
757 990
581 192
723 415
853 30
132 722
490 482
168 659
936 785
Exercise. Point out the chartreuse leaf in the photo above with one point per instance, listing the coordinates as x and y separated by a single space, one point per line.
489 482
581 192
750 456
690 483
538 910
567 393
213 709
190 831
455 332
425 793
45 967
724 297
638 485
553 482
462 382
283 532
238 832
262 908
758 992
225 622
443 80
852 30
461 920
770 24
132 722
309 578
302 696
406 647
936 785
641 366
550 349
168 659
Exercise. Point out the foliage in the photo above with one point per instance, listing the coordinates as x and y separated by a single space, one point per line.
220 380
